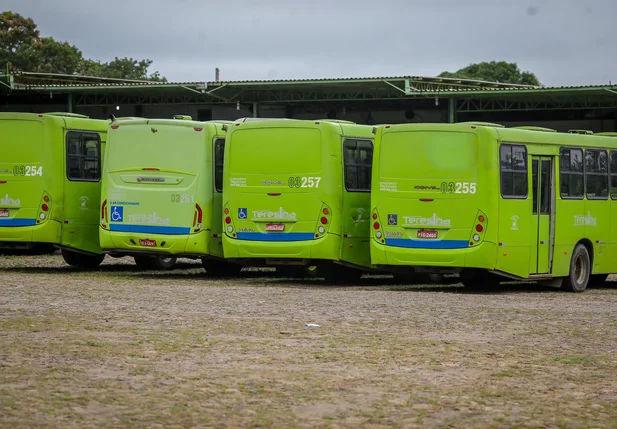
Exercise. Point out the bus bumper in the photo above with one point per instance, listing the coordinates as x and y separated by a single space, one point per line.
325 248
12 236
127 243
480 256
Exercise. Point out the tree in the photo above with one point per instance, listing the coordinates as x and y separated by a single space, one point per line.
22 48
18 40
494 71
121 68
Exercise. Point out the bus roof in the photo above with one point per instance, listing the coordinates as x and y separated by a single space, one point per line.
66 120
525 135
342 128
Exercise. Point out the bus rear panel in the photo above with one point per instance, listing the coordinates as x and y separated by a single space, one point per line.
426 208
278 183
157 188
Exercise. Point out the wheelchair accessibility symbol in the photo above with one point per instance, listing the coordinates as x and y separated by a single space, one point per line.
242 213
392 219
117 213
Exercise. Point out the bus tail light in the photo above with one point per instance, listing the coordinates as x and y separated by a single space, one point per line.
45 208
228 223
197 218
377 231
325 219
104 210
479 230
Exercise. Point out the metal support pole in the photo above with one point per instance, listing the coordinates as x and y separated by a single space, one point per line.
70 104
255 112
451 110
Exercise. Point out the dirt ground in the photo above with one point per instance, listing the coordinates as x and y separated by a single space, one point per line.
124 348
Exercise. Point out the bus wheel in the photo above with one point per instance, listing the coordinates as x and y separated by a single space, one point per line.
436 278
580 269
90 261
220 268
339 274
71 258
163 262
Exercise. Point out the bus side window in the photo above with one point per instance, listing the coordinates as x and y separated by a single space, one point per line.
613 172
358 162
219 153
596 172
514 176
83 156
571 173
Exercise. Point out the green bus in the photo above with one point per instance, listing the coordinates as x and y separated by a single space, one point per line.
50 170
494 203
296 194
161 194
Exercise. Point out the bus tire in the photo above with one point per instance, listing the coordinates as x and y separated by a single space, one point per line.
339 274
580 270
90 261
436 278
164 262
221 268
70 257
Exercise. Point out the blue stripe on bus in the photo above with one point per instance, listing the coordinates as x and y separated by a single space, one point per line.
427 244
150 229
17 222
276 236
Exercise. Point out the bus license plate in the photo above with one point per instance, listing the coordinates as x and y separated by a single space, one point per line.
148 243
4 213
427 234
275 227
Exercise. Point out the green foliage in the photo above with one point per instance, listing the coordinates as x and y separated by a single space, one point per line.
494 71
22 48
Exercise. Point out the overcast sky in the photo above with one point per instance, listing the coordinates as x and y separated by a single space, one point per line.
565 42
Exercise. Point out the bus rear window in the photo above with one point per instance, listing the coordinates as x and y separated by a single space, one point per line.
430 155
293 151
358 160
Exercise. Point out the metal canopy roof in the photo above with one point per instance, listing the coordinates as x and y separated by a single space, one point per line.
471 95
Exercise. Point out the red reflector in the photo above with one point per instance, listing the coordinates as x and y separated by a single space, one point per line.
103 209
40 116
324 220
481 218
194 219
387 126
479 228
200 214
150 169
274 195
228 220
114 127
198 129
473 127
2 182
44 207
376 225
374 215
326 211
46 198
426 200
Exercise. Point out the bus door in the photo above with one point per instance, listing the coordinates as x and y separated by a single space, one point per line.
357 164
82 190
542 214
